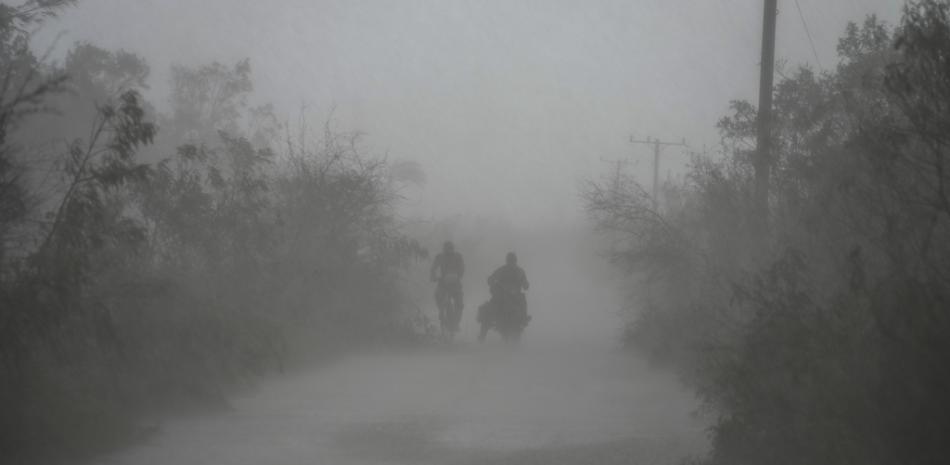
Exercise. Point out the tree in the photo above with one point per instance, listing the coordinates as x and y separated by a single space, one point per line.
208 99
829 346
24 88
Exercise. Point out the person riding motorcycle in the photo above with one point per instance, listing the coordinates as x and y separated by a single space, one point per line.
506 284
447 270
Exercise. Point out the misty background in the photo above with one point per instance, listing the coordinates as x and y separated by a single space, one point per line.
507 105
218 218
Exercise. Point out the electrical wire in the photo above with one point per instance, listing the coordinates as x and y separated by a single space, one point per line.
814 51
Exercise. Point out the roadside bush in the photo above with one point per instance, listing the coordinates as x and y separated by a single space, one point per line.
143 269
823 340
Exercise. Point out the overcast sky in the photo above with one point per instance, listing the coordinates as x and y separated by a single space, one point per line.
507 104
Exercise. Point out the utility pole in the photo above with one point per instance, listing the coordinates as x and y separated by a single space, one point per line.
763 159
618 163
618 169
657 147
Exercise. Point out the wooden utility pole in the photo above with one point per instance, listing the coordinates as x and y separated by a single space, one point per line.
763 159
618 169
657 147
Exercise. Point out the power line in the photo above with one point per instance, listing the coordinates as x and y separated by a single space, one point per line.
814 51
657 146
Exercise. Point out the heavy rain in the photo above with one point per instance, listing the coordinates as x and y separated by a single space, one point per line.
458 232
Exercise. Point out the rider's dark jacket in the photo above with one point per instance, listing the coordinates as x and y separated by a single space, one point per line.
447 263
509 278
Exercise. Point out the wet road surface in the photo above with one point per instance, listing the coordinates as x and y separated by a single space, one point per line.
464 404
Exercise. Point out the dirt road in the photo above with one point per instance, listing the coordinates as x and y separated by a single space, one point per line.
538 403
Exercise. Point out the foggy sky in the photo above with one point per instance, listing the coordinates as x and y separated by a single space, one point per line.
507 104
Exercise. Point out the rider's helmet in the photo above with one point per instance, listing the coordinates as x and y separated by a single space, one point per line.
511 258
448 247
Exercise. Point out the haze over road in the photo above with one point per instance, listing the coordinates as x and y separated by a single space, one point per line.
464 405
565 395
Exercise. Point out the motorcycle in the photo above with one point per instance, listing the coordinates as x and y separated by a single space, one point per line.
506 313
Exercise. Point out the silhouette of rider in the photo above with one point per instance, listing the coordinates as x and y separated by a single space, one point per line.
508 282
447 270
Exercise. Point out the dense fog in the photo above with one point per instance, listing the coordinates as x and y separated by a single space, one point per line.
244 232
